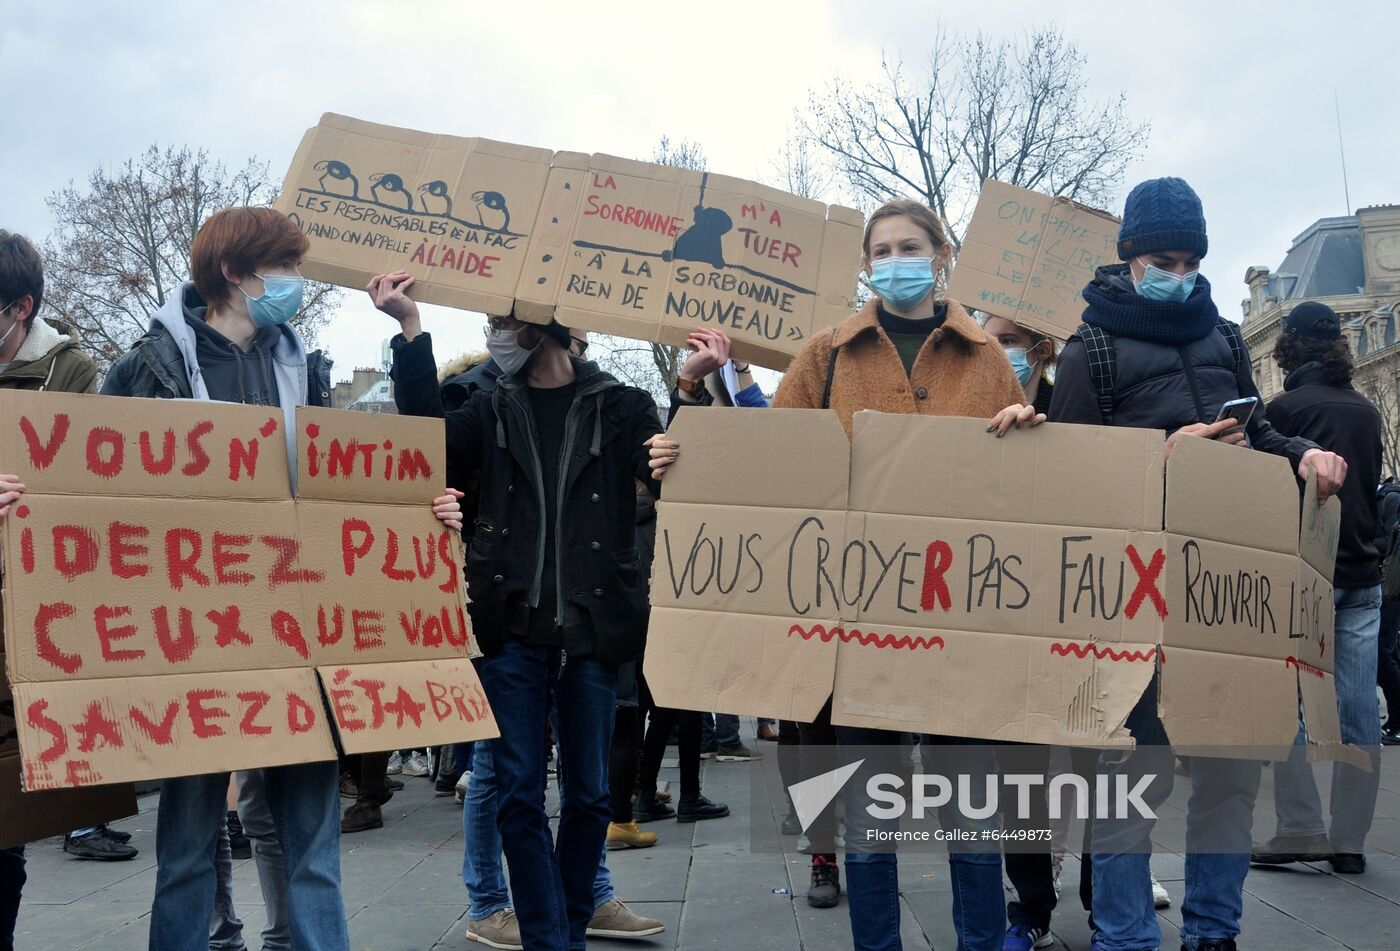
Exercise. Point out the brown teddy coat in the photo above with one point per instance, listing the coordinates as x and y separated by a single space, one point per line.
960 371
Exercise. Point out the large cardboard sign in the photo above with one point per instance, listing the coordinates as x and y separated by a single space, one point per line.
170 609
1027 256
599 242
932 578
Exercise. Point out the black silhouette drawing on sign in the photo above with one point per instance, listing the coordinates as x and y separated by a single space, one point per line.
393 185
388 190
338 173
434 200
491 210
703 241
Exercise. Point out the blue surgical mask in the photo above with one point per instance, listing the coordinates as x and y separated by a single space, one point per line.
280 300
1023 368
1160 285
902 282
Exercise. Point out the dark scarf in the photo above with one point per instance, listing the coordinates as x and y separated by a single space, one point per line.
1115 307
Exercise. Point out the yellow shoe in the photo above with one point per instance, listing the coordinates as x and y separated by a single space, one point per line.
629 835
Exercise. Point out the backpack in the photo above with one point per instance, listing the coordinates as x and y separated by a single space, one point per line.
1390 557
1103 360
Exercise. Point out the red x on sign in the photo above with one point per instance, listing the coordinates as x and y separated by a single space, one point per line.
1147 583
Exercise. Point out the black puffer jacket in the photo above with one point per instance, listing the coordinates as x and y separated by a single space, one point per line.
1162 386
602 590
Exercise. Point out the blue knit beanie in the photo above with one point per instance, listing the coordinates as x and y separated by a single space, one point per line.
1162 214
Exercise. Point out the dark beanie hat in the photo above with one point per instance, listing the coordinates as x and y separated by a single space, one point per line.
1314 321
558 333
1162 214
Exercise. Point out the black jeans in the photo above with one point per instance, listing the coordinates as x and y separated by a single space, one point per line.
12 880
623 760
817 755
1388 670
1030 872
687 725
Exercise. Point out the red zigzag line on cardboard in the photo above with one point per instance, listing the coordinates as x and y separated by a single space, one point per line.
1300 665
1084 650
867 638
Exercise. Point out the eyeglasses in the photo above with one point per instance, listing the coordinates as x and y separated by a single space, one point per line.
581 344
496 326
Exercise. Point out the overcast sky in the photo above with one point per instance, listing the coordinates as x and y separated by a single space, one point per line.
1240 95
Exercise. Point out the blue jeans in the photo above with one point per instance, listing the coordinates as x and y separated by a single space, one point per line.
225 927
1353 791
552 882
1218 818
872 874
305 803
482 871
726 729
12 880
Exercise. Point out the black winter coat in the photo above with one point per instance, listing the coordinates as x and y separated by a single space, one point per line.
602 590
1340 420
1164 386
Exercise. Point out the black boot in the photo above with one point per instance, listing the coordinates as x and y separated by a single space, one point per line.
697 808
1227 944
648 808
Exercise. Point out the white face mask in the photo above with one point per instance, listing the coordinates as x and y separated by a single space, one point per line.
506 350
13 324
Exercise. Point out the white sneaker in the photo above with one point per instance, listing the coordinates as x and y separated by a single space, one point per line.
416 765
395 764
1160 898
459 793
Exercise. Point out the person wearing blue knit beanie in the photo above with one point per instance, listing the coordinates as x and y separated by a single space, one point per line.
1153 352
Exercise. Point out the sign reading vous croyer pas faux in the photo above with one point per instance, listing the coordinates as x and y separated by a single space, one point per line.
931 578
170 609
601 243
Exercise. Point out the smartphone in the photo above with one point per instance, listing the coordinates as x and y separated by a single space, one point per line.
1238 410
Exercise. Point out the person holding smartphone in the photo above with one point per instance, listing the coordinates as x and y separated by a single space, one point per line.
1154 352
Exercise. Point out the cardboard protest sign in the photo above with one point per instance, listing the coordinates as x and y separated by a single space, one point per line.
974 587
169 609
1027 256
601 243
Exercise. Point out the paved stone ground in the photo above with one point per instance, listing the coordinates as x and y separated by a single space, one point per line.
403 888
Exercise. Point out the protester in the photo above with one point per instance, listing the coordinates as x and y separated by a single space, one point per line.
531 604
906 351
1031 355
1319 403
39 355
1153 352
1388 544
224 336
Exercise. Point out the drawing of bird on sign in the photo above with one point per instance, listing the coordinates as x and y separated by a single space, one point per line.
434 199
390 185
491 210
334 178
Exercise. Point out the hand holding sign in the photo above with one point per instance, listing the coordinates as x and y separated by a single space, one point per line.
711 352
1222 430
10 491
1330 469
664 453
448 508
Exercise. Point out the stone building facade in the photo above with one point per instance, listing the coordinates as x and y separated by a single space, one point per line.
1351 264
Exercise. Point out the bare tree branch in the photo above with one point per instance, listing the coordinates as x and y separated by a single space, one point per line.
122 242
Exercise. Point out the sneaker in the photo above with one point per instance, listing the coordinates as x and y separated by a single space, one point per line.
349 789
500 930
1023 938
416 765
1286 849
1160 898
393 785
767 733
613 919
738 753
825 890
395 764
361 817
1228 944
628 835
98 847
792 825
1390 737
116 835
648 808
459 792
443 785
237 840
1348 863
707 751
698 808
